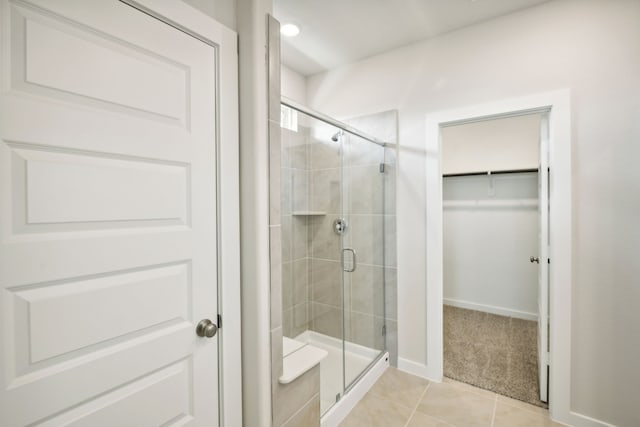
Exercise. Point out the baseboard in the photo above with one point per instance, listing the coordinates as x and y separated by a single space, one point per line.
573 419
491 309
419 370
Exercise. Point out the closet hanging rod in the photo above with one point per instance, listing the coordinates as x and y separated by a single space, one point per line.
500 172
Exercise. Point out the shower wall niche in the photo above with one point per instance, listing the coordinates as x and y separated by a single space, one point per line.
339 289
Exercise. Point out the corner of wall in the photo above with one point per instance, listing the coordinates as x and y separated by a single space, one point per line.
254 220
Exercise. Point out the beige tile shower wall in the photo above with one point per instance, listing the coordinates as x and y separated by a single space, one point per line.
365 307
364 208
373 287
314 179
295 236
298 403
326 293
353 186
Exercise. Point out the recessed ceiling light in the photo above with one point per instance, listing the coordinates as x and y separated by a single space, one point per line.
289 30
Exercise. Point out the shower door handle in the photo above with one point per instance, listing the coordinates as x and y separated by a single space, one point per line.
353 265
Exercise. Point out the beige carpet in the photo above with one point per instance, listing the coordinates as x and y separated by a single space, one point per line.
493 352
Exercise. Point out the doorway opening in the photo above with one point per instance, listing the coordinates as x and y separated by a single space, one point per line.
556 105
495 222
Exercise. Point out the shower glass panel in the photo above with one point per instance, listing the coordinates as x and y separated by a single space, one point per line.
332 247
362 254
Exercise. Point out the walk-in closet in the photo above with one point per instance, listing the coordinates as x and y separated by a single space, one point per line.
492 235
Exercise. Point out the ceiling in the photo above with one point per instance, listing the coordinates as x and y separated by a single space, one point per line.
338 32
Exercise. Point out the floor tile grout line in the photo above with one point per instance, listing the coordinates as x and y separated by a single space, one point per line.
522 405
417 404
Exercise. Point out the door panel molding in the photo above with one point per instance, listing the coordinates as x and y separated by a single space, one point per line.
135 132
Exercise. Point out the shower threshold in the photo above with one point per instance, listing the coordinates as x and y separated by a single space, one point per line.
363 367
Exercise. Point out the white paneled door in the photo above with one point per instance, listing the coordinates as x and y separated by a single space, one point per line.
107 218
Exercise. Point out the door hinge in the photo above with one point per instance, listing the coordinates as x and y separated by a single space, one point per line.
381 167
219 321
384 330
548 260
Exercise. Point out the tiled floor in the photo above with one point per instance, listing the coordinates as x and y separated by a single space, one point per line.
403 400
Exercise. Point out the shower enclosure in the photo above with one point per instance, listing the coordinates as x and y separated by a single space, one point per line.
333 228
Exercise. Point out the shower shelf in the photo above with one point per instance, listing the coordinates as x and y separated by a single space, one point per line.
308 213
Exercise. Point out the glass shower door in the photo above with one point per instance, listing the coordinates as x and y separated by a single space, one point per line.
362 255
332 223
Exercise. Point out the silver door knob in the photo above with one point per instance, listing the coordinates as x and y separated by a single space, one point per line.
534 259
206 328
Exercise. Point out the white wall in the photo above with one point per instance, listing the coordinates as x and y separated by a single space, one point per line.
491 145
294 85
589 46
487 246
223 11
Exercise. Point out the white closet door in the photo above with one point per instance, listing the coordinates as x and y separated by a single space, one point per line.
543 257
107 218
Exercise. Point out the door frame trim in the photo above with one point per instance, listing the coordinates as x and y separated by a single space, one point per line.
204 28
557 103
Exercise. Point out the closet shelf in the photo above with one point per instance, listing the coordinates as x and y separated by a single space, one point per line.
308 213
496 203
